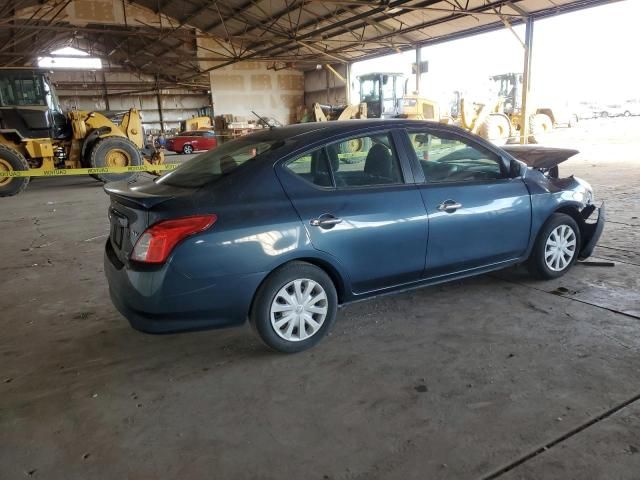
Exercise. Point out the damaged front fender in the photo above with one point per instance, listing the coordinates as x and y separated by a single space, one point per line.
592 231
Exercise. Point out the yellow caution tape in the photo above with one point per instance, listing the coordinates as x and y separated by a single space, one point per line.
353 155
61 172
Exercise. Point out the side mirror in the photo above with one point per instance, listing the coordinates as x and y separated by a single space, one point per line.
515 169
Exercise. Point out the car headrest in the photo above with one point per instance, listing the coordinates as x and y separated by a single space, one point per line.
378 161
227 163
319 166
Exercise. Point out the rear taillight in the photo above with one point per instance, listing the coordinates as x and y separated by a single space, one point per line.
157 241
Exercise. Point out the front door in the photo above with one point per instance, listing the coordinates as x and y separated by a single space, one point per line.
355 204
478 214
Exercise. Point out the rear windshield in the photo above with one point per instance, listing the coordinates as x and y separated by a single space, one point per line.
218 162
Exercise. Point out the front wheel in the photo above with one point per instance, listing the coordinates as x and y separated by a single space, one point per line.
12 161
294 307
187 149
556 248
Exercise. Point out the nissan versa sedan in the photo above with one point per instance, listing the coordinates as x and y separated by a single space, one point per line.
283 226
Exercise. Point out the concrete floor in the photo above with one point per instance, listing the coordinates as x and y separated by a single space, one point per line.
493 377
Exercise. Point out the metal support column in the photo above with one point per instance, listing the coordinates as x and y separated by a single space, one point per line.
160 110
347 86
106 91
418 69
526 82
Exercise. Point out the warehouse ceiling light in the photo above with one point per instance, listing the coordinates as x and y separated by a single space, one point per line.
69 57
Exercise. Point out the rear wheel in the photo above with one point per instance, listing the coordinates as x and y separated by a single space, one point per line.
12 161
556 248
187 149
115 152
294 307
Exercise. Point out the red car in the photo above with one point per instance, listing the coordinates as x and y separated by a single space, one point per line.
189 142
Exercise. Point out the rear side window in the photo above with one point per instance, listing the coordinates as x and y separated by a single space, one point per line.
312 167
365 161
356 162
218 162
445 158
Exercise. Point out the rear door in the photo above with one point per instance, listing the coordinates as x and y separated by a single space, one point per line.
359 205
208 140
195 140
478 214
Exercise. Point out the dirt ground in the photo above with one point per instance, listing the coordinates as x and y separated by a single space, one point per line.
492 377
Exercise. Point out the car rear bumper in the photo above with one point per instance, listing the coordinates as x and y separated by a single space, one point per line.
164 300
591 232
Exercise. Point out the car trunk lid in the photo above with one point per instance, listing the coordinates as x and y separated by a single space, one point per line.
129 211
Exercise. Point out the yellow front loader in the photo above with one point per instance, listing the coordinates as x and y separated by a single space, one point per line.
36 136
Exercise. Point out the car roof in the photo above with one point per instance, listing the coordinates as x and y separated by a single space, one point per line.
311 130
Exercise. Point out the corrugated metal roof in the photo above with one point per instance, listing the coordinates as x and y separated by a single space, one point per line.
294 33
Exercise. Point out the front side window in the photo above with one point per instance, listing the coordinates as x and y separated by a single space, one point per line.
445 158
387 87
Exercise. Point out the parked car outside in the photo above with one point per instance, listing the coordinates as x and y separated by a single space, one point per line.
614 110
280 228
588 110
194 141
631 108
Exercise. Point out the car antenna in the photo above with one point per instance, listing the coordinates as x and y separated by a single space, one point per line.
263 121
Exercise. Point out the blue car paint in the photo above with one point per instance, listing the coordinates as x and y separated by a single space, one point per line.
263 214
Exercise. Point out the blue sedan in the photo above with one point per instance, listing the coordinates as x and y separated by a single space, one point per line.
282 226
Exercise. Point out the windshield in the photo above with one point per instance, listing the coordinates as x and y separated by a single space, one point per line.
370 89
218 162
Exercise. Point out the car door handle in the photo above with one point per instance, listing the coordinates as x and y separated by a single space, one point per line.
449 206
325 221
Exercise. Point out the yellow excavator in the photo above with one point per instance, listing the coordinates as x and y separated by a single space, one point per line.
36 135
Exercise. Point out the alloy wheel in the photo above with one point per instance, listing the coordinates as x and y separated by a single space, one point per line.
560 248
299 309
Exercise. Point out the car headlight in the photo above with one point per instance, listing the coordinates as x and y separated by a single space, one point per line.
588 196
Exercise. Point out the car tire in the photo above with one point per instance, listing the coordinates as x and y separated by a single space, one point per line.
354 145
540 125
187 149
548 261
496 128
115 152
282 295
12 160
